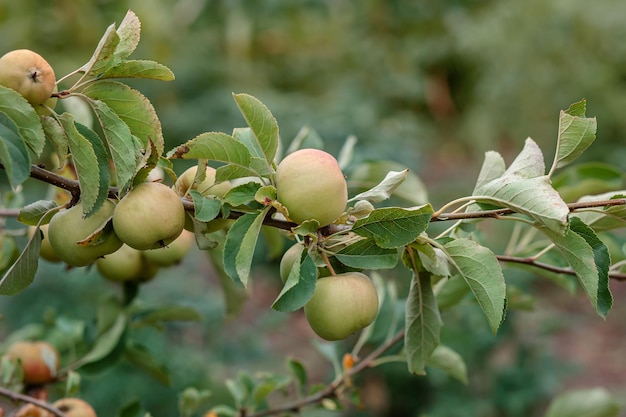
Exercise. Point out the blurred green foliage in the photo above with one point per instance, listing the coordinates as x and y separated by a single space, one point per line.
432 85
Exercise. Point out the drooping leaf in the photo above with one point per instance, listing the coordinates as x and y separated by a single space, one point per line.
240 245
129 32
56 136
104 55
423 323
262 122
139 69
133 108
384 189
141 357
576 134
366 254
235 295
585 261
121 144
299 286
483 274
104 174
242 194
14 155
449 361
22 273
393 227
268 384
25 118
298 369
157 316
493 167
106 342
206 209
595 402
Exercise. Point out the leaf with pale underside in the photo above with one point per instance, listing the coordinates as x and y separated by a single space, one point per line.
14 155
393 227
129 32
240 245
384 189
26 119
139 69
104 55
576 134
213 146
22 273
366 254
483 274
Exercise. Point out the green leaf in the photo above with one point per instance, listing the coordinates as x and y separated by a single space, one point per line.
133 108
32 213
393 227
423 323
235 295
607 218
26 119
576 134
56 136
384 189
22 273
121 144
262 123
366 254
106 342
240 245
139 69
206 209
214 146
451 292
157 316
141 357
14 155
524 188
299 286
493 168
104 55
449 361
231 172
299 371
367 175
595 402
242 194
104 175
87 161
482 272
129 32
582 179
587 262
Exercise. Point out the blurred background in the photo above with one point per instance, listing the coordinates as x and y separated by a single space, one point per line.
431 85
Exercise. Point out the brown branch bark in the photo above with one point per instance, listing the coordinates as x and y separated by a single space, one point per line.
618 276
17 397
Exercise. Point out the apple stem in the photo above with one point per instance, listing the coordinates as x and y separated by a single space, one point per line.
327 262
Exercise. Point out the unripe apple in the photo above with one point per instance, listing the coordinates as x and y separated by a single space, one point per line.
125 264
75 407
150 216
185 182
310 184
46 251
342 305
44 108
173 253
288 259
68 227
40 360
29 74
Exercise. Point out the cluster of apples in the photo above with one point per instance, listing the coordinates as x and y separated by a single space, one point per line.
39 363
310 185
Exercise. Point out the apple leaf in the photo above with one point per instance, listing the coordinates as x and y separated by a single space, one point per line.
393 227
167 313
104 54
106 342
26 119
240 244
595 402
524 188
262 122
423 323
576 134
56 136
384 189
206 209
608 218
133 108
13 153
590 260
213 146
129 33
104 174
450 361
299 286
22 273
139 69
33 213
142 358
242 194
298 370
493 168
582 179
482 272
235 295
366 254
368 175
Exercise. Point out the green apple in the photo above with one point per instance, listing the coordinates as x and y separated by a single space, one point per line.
206 187
69 226
173 253
29 74
310 185
150 216
288 259
342 305
74 407
39 360
45 251
125 264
